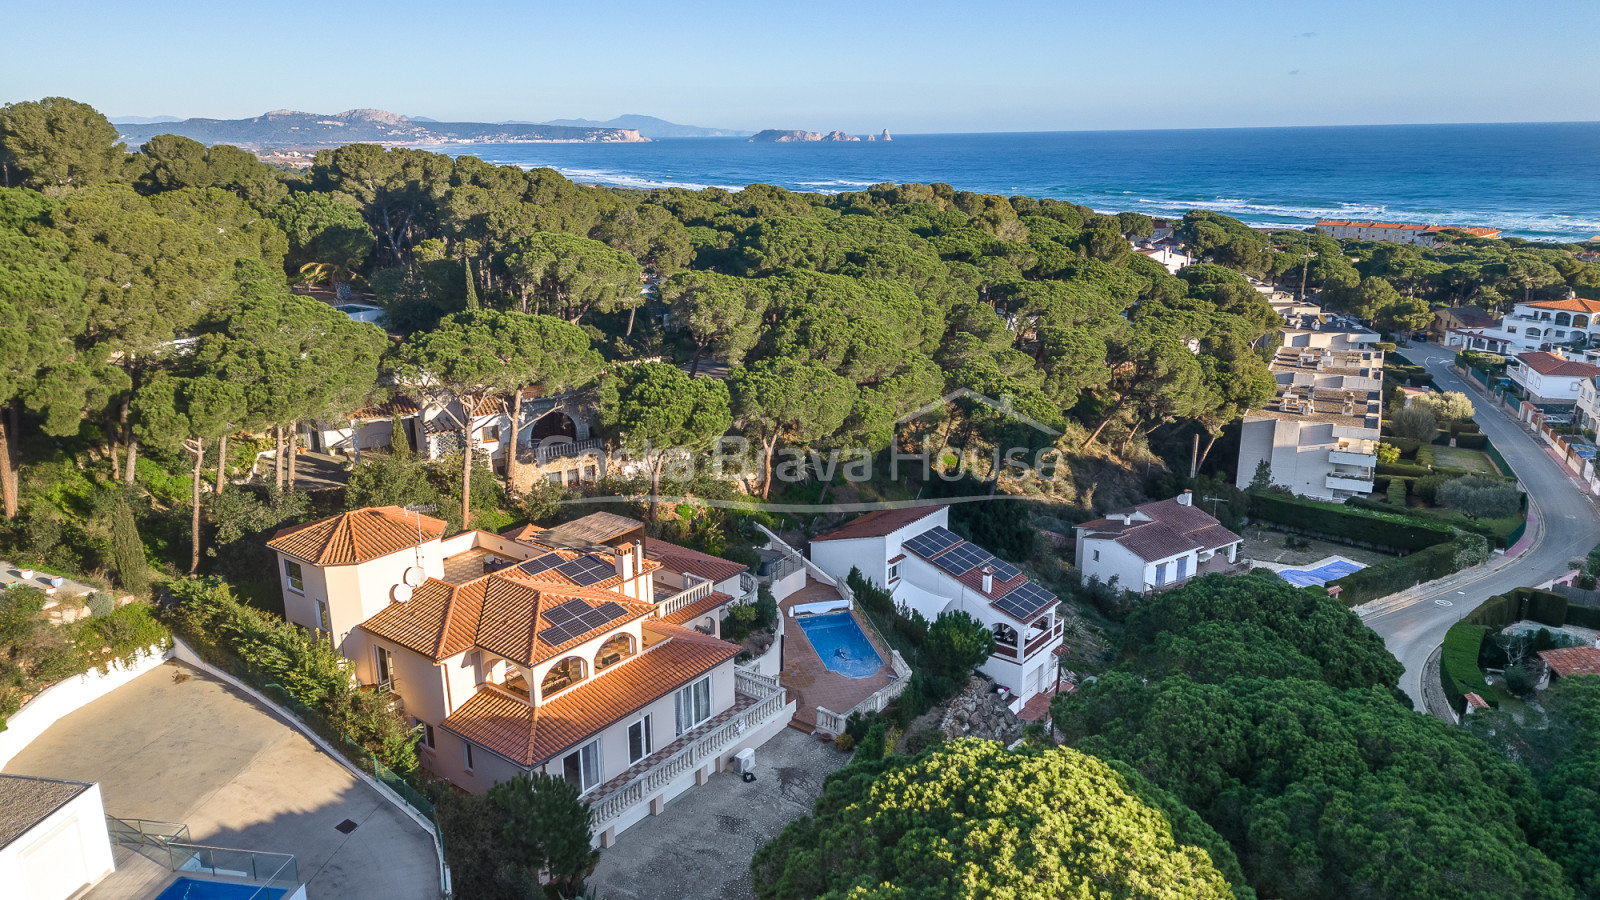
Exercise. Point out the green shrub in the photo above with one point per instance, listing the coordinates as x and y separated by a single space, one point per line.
1388 453
100 603
1465 426
1385 346
1428 488
1519 680
1546 608
1472 441
918 741
1395 575
1487 498
1396 492
845 743
1410 471
1406 446
1424 457
1392 530
1458 664
1583 616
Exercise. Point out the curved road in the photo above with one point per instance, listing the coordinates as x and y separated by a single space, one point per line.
1569 529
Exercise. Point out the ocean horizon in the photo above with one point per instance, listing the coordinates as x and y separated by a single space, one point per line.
1531 180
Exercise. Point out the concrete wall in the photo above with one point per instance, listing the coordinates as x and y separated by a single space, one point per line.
870 554
69 695
55 858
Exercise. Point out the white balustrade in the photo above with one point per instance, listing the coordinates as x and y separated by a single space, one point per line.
685 597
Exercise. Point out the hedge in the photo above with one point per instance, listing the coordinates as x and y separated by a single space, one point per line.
1458 665
1468 426
1544 607
1394 575
1409 471
1471 441
1390 531
1583 616
1406 446
1396 492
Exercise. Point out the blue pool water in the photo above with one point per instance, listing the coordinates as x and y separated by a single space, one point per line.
843 648
1321 575
194 889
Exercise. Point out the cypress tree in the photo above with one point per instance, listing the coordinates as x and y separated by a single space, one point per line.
399 444
127 550
472 292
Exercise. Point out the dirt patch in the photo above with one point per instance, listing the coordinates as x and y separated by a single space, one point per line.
1269 545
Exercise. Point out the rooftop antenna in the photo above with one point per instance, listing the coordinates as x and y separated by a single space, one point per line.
1214 501
416 510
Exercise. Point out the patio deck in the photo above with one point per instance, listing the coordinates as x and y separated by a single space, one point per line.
808 679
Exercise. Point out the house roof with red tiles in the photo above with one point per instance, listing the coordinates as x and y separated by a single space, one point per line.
1569 304
1570 661
503 612
1557 366
529 735
595 528
358 536
1160 530
878 523
695 610
1476 702
677 558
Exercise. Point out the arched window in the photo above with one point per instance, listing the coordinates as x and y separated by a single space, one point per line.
1563 319
613 651
1532 332
563 674
1580 321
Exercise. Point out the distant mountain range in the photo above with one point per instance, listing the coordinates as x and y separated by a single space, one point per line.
292 129
652 127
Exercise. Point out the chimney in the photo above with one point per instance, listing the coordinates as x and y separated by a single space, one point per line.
624 563
1186 498
988 579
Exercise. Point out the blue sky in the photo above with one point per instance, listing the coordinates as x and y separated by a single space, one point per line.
928 66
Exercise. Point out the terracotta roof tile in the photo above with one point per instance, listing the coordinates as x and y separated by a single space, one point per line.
499 613
528 736
1555 366
358 536
1571 661
1162 529
877 523
698 608
1569 304
676 558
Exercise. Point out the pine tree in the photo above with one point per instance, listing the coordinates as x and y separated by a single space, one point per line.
127 550
1262 480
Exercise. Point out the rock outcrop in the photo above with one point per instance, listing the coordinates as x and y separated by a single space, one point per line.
781 136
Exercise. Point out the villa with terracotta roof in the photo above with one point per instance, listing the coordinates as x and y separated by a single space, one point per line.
1396 232
928 568
1572 322
1568 662
1155 546
539 650
1550 381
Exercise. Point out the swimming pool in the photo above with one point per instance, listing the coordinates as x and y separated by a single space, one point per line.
196 889
1320 575
841 644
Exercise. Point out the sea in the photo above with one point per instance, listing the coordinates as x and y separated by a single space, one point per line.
1535 181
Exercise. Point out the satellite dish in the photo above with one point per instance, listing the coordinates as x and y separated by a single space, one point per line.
415 577
402 592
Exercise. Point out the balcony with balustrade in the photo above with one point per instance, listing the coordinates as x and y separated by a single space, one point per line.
759 702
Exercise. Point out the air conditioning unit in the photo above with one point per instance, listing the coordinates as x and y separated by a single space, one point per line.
744 763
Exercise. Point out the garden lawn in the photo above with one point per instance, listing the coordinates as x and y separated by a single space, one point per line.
1502 527
1462 458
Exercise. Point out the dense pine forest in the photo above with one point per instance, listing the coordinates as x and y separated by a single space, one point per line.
158 334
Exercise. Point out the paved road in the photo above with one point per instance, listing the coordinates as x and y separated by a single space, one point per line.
1569 519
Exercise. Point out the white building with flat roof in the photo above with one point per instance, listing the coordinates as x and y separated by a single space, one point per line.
1319 435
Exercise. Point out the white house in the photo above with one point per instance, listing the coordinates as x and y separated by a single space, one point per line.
1550 379
1540 325
53 838
1154 546
1395 232
1319 435
928 568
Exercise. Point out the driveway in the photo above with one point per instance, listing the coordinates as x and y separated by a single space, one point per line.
175 745
1569 527
701 845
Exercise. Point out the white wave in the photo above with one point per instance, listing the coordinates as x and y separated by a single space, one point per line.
619 179
837 183
1237 207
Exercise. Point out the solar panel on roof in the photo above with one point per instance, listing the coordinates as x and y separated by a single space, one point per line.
962 558
558 616
556 635
541 563
1003 571
933 541
586 570
1027 601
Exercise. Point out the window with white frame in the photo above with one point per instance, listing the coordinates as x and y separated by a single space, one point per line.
295 576
639 740
324 621
693 705
383 667
581 768
894 571
466 755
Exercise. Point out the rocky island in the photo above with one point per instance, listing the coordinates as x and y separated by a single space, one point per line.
286 128
781 136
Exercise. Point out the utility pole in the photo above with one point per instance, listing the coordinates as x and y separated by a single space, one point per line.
1304 266
1194 458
